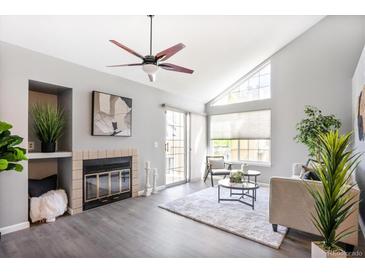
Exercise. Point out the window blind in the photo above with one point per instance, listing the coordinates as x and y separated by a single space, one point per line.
243 125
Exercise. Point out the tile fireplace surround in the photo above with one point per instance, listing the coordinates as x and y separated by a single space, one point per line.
75 191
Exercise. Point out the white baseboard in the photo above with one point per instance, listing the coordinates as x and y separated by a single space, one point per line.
12 228
362 225
159 188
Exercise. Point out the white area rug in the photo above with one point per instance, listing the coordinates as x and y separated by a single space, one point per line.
233 217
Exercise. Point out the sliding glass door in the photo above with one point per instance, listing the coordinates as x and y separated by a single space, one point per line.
175 147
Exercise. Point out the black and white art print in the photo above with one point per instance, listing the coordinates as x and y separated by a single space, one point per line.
111 115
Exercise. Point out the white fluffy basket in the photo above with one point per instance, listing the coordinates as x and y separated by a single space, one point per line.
48 206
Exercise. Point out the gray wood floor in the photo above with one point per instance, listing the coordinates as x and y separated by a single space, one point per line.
138 228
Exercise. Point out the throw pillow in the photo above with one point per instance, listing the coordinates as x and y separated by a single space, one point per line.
310 175
37 187
305 169
309 166
302 172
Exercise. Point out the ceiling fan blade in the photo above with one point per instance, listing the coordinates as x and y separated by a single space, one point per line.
125 65
152 77
127 49
167 53
173 67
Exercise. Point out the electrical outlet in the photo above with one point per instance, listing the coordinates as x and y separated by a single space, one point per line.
156 144
30 146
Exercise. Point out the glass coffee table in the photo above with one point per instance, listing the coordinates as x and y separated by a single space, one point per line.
245 190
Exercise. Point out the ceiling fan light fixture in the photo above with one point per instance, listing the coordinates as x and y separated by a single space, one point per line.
150 68
151 63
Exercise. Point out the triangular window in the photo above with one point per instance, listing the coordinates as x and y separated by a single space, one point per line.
254 86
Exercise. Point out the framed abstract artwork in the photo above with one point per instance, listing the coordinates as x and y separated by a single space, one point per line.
361 115
111 115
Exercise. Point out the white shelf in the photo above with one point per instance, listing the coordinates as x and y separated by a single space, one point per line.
50 155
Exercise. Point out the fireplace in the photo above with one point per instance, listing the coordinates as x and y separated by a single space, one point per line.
106 180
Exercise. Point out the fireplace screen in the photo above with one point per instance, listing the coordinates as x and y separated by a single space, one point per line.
90 187
115 182
100 185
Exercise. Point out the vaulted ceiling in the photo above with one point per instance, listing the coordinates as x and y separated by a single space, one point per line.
219 48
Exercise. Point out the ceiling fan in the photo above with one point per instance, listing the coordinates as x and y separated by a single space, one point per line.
151 63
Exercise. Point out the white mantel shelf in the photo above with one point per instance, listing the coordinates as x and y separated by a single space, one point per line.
50 155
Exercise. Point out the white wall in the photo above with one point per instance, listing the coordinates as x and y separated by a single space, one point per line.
18 65
315 69
358 83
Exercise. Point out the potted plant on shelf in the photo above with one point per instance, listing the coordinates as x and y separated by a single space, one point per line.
333 201
10 153
49 123
313 124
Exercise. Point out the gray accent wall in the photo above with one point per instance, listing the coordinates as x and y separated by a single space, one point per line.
358 84
18 65
315 69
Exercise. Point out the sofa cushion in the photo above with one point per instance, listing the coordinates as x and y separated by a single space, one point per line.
221 171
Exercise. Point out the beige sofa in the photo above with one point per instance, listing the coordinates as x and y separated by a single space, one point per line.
291 206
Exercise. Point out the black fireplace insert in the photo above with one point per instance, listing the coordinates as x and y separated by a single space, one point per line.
106 181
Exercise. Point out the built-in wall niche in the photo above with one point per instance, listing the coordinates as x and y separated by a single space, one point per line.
42 168
60 97
41 165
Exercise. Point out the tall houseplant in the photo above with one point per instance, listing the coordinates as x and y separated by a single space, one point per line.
10 153
313 124
333 200
49 123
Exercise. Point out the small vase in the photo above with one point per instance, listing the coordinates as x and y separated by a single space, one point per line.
318 252
244 167
48 147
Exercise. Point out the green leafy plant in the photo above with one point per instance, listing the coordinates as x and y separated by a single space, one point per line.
10 154
236 177
333 201
313 124
49 122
